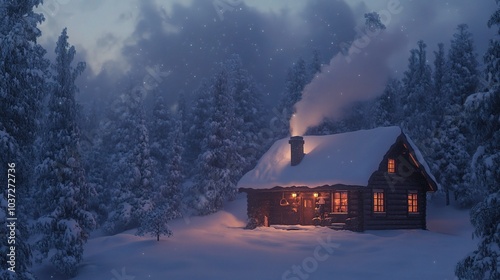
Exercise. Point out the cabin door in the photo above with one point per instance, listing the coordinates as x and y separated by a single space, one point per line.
307 211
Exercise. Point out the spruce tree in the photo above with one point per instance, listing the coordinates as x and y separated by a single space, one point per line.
200 112
126 138
438 82
160 128
219 161
461 81
155 222
463 76
484 109
23 84
170 192
386 107
65 225
249 116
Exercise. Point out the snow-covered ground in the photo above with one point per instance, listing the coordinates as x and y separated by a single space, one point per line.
217 247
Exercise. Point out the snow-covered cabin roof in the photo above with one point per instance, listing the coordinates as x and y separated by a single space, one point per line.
346 158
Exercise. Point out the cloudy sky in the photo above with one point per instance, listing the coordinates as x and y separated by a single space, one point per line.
123 41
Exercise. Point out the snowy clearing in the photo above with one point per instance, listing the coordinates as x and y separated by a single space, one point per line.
216 247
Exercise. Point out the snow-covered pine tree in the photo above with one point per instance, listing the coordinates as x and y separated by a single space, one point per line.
484 262
438 82
11 154
417 84
126 138
220 161
183 111
484 180
461 80
22 63
159 128
249 115
463 76
65 225
200 112
167 200
386 107
170 192
93 160
155 222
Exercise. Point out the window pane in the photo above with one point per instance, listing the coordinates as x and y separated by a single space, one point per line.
391 165
340 202
412 203
378 202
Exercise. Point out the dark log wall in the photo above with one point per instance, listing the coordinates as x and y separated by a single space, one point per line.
396 188
258 205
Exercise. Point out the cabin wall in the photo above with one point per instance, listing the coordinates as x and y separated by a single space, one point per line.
258 205
396 189
266 206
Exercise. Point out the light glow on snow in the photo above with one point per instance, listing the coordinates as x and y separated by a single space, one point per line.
217 247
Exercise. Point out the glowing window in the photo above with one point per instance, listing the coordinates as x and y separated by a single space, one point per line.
339 202
391 165
412 202
378 201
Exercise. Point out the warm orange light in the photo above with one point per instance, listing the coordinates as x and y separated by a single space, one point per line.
391 165
316 194
294 195
412 202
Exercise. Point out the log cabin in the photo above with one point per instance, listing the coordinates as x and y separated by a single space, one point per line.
362 180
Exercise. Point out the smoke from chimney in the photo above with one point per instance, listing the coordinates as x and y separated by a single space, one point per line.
358 77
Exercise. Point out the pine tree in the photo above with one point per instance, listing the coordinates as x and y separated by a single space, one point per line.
166 193
249 116
439 80
461 81
174 167
155 223
126 138
9 149
417 84
64 225
386 107
22 63
484 109
200 112
220 161
93 160
160 128
462 71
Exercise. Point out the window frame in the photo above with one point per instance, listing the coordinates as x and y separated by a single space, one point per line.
381 205
391 165
340 192
413 197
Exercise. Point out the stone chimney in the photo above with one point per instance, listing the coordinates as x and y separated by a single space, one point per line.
297 149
